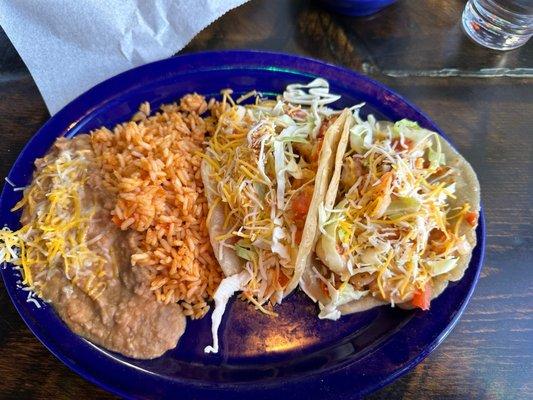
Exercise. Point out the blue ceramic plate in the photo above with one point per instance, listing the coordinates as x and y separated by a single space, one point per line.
293 356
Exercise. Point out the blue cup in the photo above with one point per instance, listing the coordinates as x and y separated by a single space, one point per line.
356 8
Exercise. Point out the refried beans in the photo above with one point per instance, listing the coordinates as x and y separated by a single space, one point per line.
105 300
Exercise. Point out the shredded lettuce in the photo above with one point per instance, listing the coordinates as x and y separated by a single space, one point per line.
344 236
297 132
325 217
411 130
278 109
279 164
243 252
436 158
406 123
361 137
294 139
261 159
278 234
440 267
294 169
227 288
317 92
345 294
402 205
284 120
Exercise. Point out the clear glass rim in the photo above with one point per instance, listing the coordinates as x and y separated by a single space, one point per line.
471 13
499 17
501 9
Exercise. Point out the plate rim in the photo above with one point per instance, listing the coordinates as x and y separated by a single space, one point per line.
79 107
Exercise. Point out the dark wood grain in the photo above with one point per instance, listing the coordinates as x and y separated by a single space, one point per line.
412 47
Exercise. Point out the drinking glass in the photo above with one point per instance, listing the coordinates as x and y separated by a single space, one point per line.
499 24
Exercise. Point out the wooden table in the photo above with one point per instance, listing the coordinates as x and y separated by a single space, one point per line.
481 98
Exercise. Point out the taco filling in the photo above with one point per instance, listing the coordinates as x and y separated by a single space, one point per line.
402 222
260 174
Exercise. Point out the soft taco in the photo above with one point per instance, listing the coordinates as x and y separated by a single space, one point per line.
397 223
266 169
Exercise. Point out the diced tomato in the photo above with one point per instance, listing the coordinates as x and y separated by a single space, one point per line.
440 170
421 299
300 203
298 235
299 206
436 235
437 239
471 217
298 183
325 125
317 149
407 144
324 288
282 279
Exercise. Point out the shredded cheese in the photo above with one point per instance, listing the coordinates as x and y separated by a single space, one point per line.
56 228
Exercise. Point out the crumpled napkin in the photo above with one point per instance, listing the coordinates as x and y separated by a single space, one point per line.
70 46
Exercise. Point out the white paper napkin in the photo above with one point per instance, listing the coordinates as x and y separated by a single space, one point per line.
70 45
